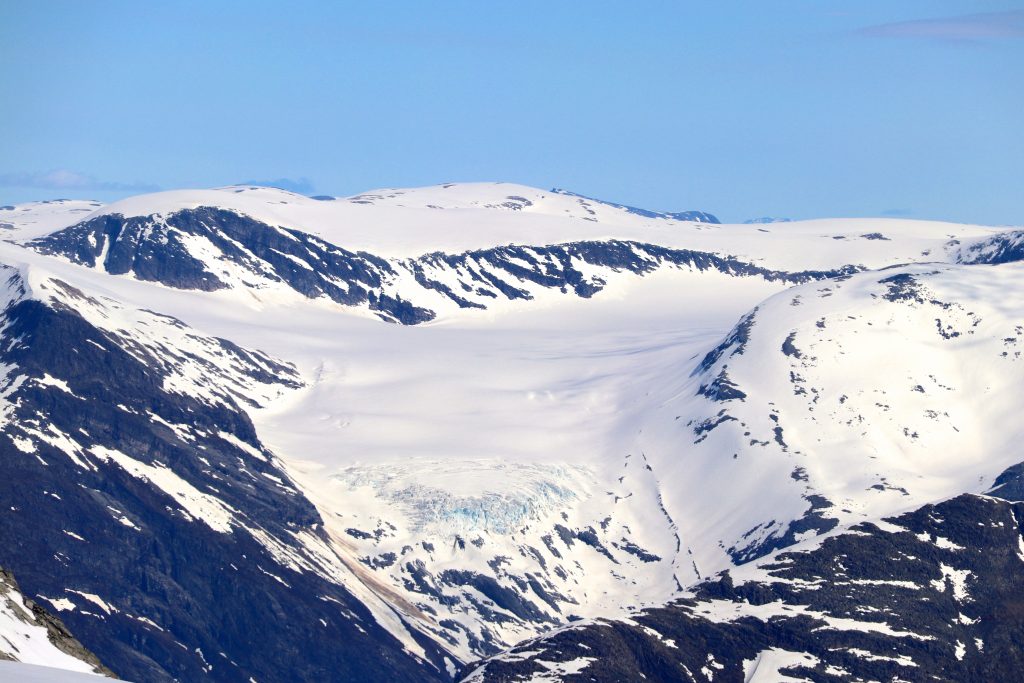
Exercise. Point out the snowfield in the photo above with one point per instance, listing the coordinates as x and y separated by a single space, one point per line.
519 461
32 643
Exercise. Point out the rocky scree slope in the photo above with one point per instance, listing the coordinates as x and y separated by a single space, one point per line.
930 595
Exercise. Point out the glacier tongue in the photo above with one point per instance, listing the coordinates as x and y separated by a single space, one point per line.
497 550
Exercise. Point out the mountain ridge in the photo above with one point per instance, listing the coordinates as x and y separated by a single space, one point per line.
203 247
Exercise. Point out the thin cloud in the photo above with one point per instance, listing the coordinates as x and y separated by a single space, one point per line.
967 28
63 179
298 186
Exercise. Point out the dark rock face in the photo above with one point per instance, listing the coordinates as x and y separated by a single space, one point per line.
556 266
722 389
1004 248
935 597
903 288
1010 484
502 597
813 519
158 249
734 343
191 598
155 249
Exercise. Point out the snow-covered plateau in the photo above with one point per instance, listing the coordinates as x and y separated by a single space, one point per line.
252 435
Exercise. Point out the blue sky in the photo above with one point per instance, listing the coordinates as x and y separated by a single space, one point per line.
800 108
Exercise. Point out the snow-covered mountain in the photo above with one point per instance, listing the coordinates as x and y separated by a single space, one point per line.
394 433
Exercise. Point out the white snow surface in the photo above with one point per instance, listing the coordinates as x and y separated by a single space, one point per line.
25 641
474 436
767 666
17 672
34 219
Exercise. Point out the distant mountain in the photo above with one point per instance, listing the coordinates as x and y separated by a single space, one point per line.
690 216
766 219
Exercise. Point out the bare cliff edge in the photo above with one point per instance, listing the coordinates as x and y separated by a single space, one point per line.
32 635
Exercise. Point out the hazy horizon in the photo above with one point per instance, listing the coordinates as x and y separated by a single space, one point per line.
819 109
